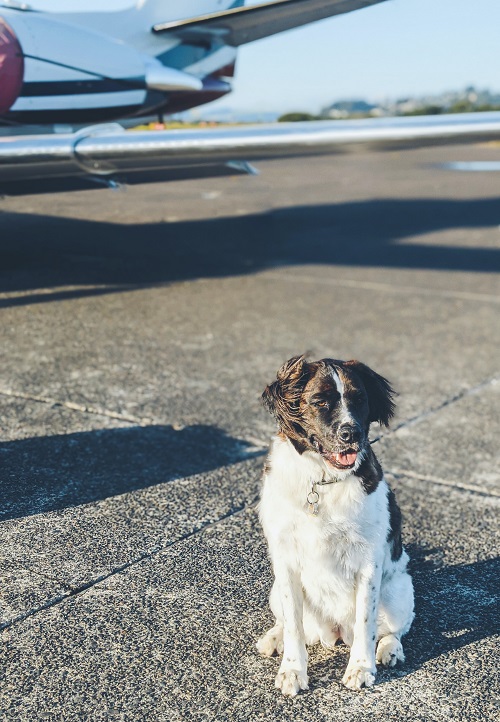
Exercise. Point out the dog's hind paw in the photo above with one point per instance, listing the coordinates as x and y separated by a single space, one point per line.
271 643
356 677
390 651
291 681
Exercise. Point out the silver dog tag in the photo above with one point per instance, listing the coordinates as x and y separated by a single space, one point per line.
312 502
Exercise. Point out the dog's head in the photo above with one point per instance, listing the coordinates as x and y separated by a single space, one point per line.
327 406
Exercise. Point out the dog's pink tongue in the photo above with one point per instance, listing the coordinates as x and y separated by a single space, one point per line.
345 459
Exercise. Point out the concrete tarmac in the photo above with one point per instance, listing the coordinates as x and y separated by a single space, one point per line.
139 329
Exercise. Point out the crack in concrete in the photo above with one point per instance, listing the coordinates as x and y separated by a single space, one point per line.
51 578
413 420
483 491
82 588
258 443
72 406
74 591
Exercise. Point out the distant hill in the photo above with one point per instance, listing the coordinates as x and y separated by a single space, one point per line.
468 100
462 101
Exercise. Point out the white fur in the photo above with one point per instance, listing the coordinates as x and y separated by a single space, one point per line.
338 382
346 416
334 576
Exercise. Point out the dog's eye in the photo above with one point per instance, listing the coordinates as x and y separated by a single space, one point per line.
322 404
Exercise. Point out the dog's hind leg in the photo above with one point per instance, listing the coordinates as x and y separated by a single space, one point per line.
395 616
318 630
272 641
390 651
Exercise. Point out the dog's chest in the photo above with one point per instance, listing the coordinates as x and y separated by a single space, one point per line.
331 550
334 541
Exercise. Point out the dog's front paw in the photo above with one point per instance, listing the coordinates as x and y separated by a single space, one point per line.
291 681
357 676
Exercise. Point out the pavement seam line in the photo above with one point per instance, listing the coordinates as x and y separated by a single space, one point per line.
443 482
49 291
383 287
413 420
82 588
78 407
45 576
262 445
148 421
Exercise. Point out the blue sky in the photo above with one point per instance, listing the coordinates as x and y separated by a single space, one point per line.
397 48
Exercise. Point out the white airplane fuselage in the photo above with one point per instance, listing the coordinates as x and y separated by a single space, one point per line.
80 67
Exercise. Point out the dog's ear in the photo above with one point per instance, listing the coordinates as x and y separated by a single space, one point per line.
292 370
282 397
380 393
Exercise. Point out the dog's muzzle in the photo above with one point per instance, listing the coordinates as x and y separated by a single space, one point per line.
344 449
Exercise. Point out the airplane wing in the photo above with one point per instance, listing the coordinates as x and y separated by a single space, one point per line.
241 25
109 154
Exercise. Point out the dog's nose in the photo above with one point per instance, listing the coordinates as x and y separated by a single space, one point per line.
348 433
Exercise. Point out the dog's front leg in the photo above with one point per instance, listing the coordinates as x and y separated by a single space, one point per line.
361 669
292 675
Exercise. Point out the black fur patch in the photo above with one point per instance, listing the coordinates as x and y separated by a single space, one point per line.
299 445
379 390
369 472
394 535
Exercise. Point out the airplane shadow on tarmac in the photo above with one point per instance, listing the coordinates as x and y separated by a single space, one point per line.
454 606
43 474
49 252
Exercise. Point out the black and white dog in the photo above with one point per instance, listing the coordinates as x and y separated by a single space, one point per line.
332 524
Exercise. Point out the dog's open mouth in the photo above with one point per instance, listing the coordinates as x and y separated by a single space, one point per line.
343 460
340 460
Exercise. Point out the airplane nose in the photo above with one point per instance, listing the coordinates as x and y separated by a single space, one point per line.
348 433
11 67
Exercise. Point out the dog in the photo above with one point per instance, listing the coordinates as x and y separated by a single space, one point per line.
332 524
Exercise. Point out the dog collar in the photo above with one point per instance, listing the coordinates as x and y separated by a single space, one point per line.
313 495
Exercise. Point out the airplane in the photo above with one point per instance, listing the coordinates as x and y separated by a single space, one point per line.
161 57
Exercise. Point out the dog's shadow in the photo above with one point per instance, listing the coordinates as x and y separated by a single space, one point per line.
454 606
